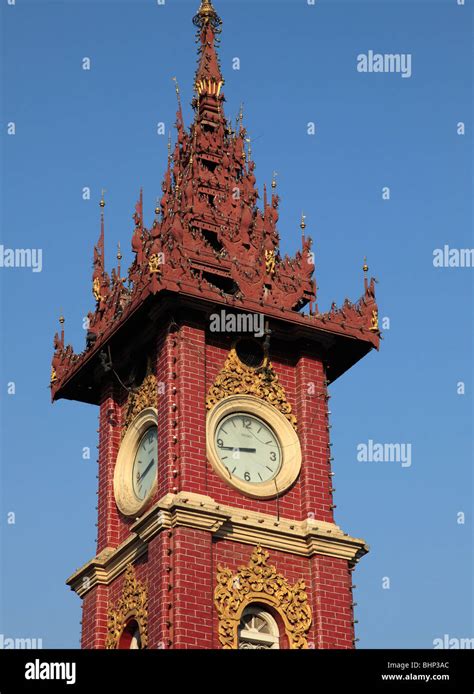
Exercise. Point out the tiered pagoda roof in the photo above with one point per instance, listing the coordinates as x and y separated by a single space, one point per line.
210 242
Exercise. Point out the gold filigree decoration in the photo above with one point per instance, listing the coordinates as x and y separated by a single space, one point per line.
145 396
154 264
374 321
270 262
236 378
259 582
54 376
96 289
133 604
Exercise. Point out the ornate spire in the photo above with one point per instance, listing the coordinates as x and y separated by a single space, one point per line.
209 79
207 16
100 279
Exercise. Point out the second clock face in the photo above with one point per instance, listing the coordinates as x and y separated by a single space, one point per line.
145 464
248 448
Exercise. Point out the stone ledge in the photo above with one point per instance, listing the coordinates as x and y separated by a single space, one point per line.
302 538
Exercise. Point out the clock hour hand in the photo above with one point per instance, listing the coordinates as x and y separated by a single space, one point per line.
237 448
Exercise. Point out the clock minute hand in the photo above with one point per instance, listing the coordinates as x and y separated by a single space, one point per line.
237 448
146 470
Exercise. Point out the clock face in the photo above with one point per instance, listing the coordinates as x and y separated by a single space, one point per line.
248 448
145 463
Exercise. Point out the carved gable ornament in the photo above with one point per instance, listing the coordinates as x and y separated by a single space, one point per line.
145 396
133 604
236 378
259 582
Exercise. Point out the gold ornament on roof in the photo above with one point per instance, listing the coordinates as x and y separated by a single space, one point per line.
154 264
145 396
259 582
207 15
374 322
132 605
236 378
270 262
96 289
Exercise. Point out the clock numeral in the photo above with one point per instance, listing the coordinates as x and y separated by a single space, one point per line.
220 443
273 456
246 422
247 476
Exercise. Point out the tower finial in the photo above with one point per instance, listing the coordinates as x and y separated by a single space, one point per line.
119 258
61 322
274 183
176 86
249 142
208 81
102 201
365 268
303 226
206 14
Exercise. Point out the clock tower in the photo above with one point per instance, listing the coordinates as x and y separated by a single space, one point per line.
210 364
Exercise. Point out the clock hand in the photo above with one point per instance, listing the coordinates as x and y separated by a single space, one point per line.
236 448
146 470
256 437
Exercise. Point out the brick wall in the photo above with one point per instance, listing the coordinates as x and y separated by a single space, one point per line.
94 617
180 567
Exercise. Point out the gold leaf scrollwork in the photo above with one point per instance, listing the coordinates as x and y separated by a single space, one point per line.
145 396
236 378
133 604
259 582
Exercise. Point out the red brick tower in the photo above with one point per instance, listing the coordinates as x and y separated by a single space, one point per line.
215 509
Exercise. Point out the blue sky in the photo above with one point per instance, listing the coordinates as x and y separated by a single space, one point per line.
97 128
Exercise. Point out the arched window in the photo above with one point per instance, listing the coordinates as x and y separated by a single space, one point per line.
130 639
258 629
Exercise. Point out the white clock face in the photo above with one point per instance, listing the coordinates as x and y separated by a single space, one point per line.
248 448
145 463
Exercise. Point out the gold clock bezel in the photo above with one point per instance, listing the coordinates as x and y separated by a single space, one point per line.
287 437
125 498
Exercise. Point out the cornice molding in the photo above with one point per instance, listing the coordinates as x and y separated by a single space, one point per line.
302 538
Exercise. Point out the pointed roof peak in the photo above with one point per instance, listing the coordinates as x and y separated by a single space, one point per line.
206 15
208 80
